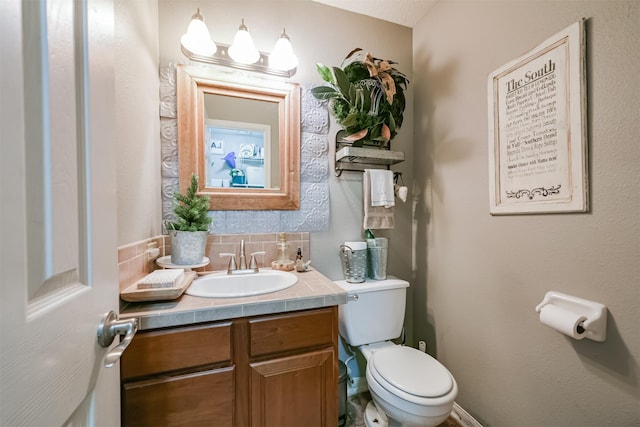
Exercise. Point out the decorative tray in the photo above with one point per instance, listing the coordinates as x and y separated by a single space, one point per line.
133 294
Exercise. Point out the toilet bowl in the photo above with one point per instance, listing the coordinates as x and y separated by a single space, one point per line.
408 387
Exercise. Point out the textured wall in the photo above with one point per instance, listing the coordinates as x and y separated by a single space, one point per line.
479 277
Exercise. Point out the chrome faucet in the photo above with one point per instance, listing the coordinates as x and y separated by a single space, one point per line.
233 267
243 258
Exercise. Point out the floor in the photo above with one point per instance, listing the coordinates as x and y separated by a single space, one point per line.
355 410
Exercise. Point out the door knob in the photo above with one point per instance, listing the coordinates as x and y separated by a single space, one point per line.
109 328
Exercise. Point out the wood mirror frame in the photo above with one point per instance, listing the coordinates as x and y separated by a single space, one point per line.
192 85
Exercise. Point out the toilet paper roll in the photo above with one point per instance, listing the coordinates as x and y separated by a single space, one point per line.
563 320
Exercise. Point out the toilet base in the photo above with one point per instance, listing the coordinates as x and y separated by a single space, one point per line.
372 418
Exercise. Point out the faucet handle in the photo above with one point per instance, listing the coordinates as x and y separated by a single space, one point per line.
253 264
232 261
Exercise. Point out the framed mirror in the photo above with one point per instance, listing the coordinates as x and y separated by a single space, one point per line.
241 138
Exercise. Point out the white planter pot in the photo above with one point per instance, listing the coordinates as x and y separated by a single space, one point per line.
187 247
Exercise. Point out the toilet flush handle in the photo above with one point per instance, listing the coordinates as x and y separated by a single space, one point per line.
353 297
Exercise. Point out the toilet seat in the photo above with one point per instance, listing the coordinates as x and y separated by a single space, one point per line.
411 375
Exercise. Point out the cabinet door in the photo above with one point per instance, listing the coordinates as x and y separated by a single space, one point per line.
200 399
293 391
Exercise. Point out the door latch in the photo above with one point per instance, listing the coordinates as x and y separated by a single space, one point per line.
109 328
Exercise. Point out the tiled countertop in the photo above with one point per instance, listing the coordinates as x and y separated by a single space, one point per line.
313 290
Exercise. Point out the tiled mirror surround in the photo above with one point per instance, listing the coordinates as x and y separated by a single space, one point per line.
313 214
134 263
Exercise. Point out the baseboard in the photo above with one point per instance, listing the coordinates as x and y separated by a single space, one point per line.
463 417
357 385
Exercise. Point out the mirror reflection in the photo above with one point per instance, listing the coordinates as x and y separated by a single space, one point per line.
242 139
241 154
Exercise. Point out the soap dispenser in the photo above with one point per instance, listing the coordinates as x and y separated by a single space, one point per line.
283 262
283 248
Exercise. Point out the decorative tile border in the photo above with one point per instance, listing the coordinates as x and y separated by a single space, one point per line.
314 211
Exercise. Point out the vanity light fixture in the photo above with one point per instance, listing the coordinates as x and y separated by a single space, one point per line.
242 54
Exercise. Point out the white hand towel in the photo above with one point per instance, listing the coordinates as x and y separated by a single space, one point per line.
375 217
382 193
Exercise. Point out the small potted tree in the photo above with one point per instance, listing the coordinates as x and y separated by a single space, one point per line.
190 229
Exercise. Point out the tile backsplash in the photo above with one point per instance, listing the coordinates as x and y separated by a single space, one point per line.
134 262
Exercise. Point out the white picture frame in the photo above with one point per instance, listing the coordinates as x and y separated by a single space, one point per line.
537 129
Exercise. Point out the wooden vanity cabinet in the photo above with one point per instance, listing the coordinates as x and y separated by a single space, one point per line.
274 370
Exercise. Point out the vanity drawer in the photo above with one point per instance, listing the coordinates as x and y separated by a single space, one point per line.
294 331
176 349
197 399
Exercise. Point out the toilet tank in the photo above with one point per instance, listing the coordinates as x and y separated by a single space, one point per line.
376 315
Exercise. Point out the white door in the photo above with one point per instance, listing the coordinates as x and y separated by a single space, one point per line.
58 260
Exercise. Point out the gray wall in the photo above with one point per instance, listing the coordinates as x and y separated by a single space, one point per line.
479 277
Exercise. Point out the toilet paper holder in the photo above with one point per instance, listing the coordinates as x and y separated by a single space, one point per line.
596 323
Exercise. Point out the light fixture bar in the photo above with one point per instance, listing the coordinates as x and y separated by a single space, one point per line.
221 57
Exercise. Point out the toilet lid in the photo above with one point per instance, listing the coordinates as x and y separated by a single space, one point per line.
411 371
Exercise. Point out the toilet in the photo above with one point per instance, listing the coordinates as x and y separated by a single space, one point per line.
408 387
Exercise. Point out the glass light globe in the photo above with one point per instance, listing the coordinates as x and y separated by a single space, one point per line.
197 38
242 49
282 57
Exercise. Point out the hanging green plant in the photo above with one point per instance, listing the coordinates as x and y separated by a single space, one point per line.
366 96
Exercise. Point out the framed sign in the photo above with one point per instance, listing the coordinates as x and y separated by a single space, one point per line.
537 129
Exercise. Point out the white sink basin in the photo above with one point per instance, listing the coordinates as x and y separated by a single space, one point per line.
223 285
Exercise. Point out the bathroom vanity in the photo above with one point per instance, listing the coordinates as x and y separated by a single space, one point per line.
265 360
